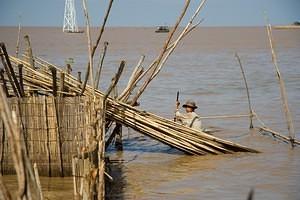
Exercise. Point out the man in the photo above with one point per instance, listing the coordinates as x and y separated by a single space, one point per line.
190 118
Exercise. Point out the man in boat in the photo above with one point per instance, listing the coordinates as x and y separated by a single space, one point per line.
190 118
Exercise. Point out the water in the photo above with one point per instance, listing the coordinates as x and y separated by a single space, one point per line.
202 68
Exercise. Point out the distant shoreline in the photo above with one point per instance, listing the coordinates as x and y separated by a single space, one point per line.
150 27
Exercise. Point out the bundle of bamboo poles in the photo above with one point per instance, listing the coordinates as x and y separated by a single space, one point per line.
183 138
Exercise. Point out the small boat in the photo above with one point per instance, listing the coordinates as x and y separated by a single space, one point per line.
162 29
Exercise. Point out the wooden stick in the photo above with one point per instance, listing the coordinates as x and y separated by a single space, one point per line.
45 107
100 65
4 86
247 89
224 116
38 183
20 67
115 80
18 39
162 53
62 83
201 5
91 63
97 43
29 51
58 134
283 94
54 83
9 70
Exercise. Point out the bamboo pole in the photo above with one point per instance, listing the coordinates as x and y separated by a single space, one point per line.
162 53
48 151
283 94
38 183
20 67
97 43
9 70
91 62
247 89
29 51
4 86
18 39
100 65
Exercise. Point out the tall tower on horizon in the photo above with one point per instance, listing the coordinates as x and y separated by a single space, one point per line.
70 23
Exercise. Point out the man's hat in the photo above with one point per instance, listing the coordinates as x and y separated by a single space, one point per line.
190 104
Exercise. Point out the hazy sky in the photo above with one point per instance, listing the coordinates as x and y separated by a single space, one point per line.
151 12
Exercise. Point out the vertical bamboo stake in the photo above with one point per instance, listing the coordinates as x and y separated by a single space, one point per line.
2 148
54 83
74 176
18 39
283 94
58 136
247 89
91 66
62 84
47 136
29 51
79 77
20 66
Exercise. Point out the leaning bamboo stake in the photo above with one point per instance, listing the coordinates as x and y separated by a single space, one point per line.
38 183
142 73
247 89
100 65
138 70
201 5
97 43
162 53
283 94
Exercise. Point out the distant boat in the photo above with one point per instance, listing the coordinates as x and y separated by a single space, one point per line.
78 31
295 25
162 29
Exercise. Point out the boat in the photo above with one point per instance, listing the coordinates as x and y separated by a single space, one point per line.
295 25
162 29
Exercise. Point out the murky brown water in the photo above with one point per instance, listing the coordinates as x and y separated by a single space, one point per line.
203 68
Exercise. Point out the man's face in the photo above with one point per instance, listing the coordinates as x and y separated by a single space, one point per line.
189 109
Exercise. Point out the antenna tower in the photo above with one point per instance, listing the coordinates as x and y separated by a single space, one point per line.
70 24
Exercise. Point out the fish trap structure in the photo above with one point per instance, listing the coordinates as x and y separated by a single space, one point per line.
57 119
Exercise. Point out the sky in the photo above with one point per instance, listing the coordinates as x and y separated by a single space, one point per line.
151 12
